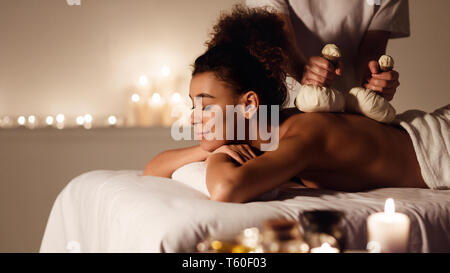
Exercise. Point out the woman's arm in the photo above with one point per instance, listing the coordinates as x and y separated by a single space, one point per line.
227 181
165 163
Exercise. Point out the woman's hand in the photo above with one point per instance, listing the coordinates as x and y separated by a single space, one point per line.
239 152
320 72
385 82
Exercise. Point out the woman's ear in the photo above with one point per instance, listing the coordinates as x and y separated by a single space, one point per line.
250 100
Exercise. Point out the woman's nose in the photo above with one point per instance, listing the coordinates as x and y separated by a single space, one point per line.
195 118
192 117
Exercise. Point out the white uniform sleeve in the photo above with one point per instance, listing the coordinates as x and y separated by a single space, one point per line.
392 16
278 5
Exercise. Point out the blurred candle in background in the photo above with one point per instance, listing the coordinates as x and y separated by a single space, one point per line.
31 121
49 120
112 121
88 121
80 120
60 119
174 109
21 120
156 108
6 122
133 110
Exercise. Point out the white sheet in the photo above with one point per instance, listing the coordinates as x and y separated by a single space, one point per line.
121 211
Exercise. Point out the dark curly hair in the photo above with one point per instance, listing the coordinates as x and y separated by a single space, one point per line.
247 50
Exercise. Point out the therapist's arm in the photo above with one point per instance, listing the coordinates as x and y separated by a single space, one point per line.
297 60
371 48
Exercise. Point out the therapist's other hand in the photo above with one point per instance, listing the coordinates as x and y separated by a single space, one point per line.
384 82
320 72
239 152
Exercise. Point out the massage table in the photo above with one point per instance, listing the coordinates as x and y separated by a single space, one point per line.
123 211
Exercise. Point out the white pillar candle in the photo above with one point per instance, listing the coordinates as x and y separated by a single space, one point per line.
31 122
156 108
21 121
79 120
173 110
49 120
60 121
389 230
112 120
134 110
87 121
325 248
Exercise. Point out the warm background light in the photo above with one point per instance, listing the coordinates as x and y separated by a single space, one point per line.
135 97
49 120
60 118
89 58
21 120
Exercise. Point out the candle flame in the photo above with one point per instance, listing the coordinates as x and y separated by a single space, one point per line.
112 120
325 245
389 206
176 98
88 118
31 119
135 97
143 80
49 120
60 118
156 98
21 120
165 71
80 120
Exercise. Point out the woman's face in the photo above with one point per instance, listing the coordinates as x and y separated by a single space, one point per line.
205 91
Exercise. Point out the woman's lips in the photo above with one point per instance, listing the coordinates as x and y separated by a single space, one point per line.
201 134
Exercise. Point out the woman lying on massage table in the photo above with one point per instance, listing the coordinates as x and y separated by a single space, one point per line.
334 151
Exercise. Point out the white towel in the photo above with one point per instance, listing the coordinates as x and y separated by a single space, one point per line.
194 176
430 135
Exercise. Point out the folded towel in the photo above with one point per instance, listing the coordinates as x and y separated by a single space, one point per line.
430 135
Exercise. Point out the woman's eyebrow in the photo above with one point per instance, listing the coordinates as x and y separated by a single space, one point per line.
203 95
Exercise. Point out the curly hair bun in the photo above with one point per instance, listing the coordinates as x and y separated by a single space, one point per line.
258 30
247 51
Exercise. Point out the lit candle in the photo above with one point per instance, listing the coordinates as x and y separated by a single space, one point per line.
143 81
49 120
60 121
87 121
80 120
173 110
325 248
31 121
21 120
165 71
134 110
156 105
388 230
6 122
112 120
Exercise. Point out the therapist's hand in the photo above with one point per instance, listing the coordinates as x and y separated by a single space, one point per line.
320 72
385 83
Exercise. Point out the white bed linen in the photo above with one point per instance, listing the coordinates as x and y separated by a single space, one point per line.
121 211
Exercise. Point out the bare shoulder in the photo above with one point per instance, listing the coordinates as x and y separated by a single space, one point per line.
307 123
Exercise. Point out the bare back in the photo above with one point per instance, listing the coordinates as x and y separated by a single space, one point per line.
355 153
